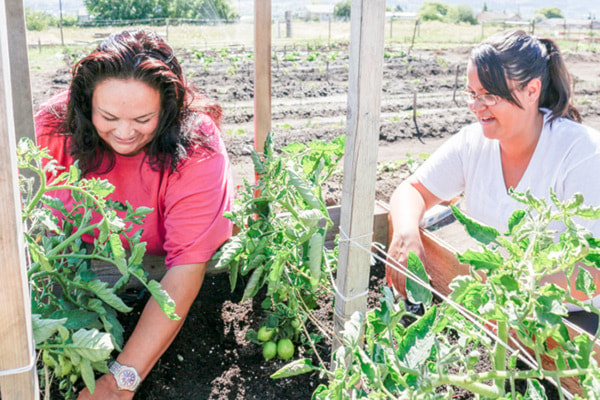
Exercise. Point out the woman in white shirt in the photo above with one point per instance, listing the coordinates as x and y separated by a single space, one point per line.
527 137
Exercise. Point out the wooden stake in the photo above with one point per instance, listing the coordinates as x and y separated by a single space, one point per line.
19 69
262 72
360 160
16 345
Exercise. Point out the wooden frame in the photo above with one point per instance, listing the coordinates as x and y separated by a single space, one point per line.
18 378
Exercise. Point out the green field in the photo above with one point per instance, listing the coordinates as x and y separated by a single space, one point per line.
45 47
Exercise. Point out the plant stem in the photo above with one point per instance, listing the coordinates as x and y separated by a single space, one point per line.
500 352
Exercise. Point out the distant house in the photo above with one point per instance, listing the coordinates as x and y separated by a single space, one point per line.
319 12
82 16
493 17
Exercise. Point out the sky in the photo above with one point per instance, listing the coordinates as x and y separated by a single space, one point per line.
572 9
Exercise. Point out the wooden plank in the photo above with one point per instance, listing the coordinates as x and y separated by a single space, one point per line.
262 72
360 159
16 346
19 70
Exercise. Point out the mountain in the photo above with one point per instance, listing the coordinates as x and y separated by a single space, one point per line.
573 9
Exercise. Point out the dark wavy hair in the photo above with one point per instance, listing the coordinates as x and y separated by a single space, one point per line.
144 56
520 57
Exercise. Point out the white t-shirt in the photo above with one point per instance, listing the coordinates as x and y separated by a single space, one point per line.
566 159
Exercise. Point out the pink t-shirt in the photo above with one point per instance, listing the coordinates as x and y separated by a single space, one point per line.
186 224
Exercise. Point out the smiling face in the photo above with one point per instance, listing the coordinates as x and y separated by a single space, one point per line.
125 114
503 120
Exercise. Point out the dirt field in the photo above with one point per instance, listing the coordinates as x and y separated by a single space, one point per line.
210 358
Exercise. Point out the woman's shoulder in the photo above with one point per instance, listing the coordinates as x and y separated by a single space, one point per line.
51 115
206 136
568 133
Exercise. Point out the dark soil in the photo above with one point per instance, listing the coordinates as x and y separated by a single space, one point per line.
210 358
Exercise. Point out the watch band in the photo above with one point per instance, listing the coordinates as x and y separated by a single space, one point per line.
127 378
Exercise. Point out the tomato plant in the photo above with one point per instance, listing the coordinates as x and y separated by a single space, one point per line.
420 361
283 222
74 313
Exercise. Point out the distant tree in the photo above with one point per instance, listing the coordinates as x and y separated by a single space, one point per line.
39 20
142 9
550 12
485 7
461 14
398 8
342 10
433 11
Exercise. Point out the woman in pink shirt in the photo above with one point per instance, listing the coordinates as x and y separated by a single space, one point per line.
130 117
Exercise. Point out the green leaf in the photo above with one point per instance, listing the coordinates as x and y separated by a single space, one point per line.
416 346
487 261
310 218
303 187
91 345
254 284
75 318
101 289
87 374
515 219
137 254
585 282
535 390
119 255
416 292
481 233
163 299
43 329
297 367
315 258
259 167
231 251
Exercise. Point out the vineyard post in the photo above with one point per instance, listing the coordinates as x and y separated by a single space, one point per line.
262 72
360 159
414 35
18 377
456 84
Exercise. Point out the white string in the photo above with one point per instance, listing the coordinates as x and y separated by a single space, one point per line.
20 370
472 317
344 238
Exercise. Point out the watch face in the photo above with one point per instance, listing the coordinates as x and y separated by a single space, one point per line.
127 378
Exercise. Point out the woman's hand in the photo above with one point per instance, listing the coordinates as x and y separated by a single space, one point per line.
402 243
407 206
106 389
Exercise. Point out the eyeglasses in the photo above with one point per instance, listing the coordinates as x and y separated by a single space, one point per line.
485 99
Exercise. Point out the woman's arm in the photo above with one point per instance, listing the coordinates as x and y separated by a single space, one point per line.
407 206
154 331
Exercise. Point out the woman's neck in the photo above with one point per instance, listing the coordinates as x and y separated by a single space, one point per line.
519 148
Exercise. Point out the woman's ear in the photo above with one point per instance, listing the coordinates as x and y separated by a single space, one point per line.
534 89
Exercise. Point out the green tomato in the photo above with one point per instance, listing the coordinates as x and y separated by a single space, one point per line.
264 334
296 324
269 350
285 349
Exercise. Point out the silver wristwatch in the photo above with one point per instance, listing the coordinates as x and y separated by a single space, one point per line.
127 377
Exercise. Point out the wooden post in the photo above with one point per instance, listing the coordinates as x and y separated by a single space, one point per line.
18 378
262 72
360 159
19 68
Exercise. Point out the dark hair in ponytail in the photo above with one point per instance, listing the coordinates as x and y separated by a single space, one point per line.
520 57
